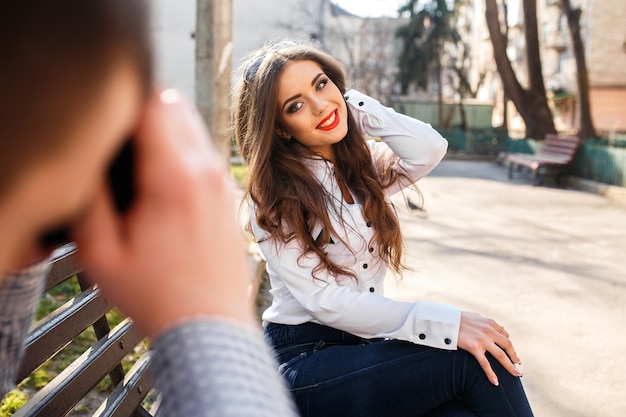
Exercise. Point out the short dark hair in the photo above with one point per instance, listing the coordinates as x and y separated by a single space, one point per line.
55 57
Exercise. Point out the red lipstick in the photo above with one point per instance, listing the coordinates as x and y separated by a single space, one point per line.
325 125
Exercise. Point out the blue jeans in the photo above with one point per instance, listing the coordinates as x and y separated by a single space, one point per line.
334 373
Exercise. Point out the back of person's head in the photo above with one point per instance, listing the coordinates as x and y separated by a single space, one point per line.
56 56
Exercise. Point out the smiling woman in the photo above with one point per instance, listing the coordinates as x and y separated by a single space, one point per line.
319 203
317 115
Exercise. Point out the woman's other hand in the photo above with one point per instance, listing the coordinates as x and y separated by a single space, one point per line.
479 335
178 253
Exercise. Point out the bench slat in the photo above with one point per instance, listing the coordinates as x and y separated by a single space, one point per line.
64 266
128 395
542 159
560 149
60 395
60 327
551 136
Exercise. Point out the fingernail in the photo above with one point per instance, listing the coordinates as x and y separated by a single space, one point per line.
170 96
494 381
518 372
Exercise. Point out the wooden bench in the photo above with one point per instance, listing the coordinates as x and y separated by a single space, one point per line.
60 329
555 155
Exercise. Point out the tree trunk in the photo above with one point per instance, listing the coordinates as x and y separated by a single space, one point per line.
505 97
531 103
586 129
439 70
533 58
536 94
213 68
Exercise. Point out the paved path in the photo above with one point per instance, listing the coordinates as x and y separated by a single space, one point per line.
549 264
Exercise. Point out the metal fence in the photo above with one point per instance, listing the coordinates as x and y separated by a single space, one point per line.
602 162
476 141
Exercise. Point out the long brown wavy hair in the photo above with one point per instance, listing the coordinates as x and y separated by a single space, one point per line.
289 199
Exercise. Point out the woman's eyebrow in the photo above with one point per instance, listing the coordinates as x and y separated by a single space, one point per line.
291 98
300 95
316 78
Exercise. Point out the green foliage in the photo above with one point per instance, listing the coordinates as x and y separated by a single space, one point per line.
12 402
239 173
82 409
430 25
56 297
39 378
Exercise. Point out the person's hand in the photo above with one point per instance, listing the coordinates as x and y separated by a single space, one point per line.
479 335
179 252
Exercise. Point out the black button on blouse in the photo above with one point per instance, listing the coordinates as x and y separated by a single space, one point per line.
372 289
447 341
422 336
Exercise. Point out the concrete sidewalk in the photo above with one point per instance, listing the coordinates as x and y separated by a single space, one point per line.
546 263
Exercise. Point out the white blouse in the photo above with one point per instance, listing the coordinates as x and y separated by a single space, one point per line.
359 306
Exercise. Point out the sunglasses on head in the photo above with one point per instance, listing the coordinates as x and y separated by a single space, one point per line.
253 67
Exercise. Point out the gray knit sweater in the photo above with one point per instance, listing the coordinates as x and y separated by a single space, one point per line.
207 367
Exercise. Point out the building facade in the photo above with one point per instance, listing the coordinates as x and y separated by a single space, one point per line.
365 46
174 23
603 30
368 49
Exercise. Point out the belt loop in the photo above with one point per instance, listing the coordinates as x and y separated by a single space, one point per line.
319 346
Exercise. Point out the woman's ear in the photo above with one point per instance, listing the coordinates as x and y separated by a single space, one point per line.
282 133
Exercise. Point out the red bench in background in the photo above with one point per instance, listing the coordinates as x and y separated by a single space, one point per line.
556 153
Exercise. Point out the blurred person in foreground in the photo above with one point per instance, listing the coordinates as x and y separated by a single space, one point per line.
76 81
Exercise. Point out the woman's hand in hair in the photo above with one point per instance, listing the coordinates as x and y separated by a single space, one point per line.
479 335
178 254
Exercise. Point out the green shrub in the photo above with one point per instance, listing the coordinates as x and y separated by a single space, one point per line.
239 173
12 402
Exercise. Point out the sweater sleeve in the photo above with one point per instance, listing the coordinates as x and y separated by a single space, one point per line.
418 146
19 295
361 313
210 367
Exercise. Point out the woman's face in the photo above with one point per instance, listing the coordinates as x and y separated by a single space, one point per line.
56 190
310 107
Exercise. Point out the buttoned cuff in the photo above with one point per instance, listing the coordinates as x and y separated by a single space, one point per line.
437 325
367 111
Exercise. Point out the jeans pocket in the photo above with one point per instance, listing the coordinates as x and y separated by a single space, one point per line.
286 368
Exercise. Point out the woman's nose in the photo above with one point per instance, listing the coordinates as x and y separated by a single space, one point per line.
319 105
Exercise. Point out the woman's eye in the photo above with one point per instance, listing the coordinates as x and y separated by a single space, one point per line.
321 84
294 107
